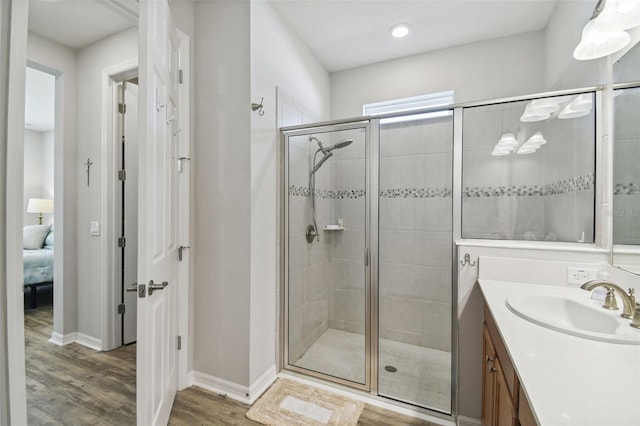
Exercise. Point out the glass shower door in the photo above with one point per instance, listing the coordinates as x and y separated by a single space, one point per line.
326 283
415 252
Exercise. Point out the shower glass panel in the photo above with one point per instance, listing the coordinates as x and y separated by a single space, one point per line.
528 170
327 283
415 257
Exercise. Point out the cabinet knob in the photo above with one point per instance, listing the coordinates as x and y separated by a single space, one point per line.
492 369
488 358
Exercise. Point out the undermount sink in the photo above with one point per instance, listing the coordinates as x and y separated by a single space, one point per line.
580 317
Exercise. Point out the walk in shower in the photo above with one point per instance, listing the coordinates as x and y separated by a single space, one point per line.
368 229
369 245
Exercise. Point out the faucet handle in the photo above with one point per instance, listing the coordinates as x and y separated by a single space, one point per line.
635 320
610 300
632 297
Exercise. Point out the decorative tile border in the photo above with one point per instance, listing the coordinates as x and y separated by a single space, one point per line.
303 191
416 193
632 188
566 186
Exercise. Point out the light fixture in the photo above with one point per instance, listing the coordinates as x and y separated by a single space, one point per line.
506 145
40 205
579 107
399 30
619 15
532 144
603 34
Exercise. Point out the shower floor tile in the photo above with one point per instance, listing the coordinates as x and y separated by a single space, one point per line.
422 376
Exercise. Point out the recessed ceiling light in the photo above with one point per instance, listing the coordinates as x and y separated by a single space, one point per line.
399 30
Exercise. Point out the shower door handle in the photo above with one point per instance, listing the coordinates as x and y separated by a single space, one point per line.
366 256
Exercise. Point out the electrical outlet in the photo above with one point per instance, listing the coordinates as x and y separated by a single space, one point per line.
581 275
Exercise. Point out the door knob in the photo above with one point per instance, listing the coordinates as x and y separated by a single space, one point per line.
132 288
153 287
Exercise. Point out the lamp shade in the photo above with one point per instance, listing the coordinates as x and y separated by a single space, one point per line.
40 205
619 15
597 44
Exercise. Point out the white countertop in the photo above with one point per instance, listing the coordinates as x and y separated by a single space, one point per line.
568 380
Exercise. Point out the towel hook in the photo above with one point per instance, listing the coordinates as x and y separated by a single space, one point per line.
467 261
258 107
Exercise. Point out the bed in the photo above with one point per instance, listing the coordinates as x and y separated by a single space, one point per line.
37 253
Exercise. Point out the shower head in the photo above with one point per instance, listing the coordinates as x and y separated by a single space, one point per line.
341 144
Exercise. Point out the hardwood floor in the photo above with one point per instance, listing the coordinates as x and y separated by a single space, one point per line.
74 385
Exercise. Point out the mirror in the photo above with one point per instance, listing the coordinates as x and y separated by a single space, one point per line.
626 169
88 48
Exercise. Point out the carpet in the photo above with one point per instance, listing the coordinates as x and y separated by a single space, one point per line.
288 402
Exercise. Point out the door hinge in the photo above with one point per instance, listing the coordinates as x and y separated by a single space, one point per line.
122 242
121 308
122 108
180 80
122 175
179 342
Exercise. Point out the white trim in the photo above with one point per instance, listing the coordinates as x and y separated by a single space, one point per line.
89 341
366 398
13 166
262 384
221 387
468 421
110 290
75 337
185 314
62 339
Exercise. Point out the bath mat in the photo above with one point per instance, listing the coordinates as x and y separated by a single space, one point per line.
291 403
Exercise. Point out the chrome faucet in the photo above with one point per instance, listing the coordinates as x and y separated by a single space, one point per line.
628 300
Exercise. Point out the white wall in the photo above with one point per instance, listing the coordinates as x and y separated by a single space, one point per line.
92 61
33 175
278 59
48 56
496 68
222 164
38 171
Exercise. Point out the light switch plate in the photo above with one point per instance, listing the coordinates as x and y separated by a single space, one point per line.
95 228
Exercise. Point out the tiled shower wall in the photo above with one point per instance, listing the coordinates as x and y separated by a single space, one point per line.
415 212
309 263
547 195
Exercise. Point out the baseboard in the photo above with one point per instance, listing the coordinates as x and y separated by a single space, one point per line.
62 339
222 387
79 338
89 341
244 394
468 421
262 384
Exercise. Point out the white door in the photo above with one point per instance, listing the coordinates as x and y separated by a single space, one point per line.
157 208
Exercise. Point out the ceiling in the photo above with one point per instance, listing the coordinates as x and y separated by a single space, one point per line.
79 23
346 34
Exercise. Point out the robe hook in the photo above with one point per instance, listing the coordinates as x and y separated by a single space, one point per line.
467 261
258 107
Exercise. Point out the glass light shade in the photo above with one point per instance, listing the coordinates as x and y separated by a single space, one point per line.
568 112
529 118
536 140
40 205
499 152
597 44
542 106
526 150
507 140
619 15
